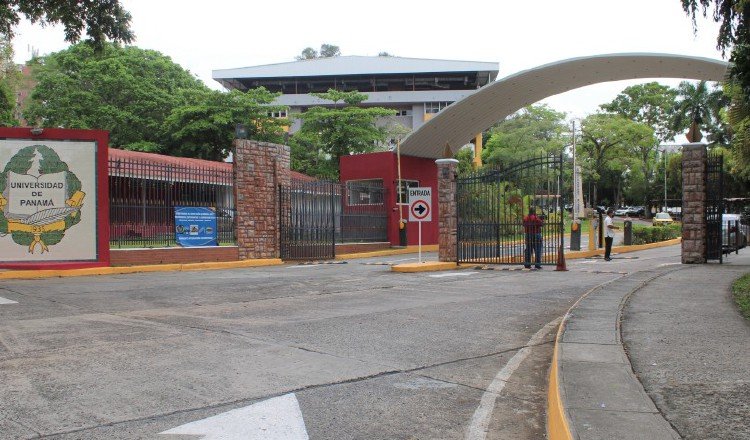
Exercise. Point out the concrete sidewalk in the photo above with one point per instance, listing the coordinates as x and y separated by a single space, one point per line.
658 354
690 348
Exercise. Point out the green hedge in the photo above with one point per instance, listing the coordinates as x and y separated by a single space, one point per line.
653 234
741 291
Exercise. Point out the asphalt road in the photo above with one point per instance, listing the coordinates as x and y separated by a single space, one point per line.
337 351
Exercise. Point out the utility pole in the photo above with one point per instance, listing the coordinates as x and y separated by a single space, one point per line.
665 180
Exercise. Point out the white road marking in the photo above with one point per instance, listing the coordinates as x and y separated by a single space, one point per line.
7 301
452 274
279 418
480 422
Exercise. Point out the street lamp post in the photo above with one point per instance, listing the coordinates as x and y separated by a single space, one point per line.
665 180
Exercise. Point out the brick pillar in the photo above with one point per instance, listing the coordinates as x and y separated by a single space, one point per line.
694 170
259 169
447 170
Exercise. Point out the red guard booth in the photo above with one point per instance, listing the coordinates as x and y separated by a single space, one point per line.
415 172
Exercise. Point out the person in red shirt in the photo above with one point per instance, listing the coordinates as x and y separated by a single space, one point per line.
532 228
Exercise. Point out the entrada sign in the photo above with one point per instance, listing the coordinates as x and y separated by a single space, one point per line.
420 204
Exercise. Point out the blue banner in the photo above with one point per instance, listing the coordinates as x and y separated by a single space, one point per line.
195 226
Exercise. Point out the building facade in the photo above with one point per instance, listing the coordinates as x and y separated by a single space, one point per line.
415 89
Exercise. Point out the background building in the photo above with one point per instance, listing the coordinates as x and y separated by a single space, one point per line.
414 88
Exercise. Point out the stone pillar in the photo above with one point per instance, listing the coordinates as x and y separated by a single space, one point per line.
694 170
259 169
447 169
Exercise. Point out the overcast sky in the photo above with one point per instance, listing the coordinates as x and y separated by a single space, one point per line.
202 36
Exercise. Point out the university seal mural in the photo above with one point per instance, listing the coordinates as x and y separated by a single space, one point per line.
40 198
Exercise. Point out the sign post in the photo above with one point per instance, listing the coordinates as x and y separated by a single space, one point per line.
420 209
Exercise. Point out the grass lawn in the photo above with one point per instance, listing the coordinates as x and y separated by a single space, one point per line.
741 291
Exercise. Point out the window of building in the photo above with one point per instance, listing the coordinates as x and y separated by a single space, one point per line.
435 107
277 114
364 192
403 193
403 112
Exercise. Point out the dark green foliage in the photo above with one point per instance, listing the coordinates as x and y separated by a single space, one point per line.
536 129
125 90
340 131
308 159
654 234
101 19
7 104
741 292
651 104
203 125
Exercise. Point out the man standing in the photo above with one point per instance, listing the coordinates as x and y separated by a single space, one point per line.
532 227
609 231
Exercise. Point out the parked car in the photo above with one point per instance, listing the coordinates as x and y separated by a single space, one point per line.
731 225
636 211
662 218
622 211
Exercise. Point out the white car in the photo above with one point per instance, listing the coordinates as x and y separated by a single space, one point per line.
622 211
731 224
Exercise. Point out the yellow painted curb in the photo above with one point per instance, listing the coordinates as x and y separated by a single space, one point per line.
557 423
622 249
387 252
427 266
558 427
61 273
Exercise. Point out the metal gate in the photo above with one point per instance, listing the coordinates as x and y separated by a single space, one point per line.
314 216
308 220
492 203
714 207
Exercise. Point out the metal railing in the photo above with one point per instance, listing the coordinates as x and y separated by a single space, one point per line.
317 215
143 196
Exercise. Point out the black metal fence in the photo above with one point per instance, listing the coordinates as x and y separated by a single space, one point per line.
317 215
492 204
714 207
143 196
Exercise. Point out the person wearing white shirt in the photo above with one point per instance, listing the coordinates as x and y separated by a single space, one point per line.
609 234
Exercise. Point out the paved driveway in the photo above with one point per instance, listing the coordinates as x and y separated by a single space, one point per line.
334 351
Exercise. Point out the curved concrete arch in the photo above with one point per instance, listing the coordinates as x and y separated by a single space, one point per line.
463 119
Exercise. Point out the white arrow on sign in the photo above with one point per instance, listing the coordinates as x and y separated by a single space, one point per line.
273 419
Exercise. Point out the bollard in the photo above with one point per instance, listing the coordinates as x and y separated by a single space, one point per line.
402 233
628 230
594 225
575 235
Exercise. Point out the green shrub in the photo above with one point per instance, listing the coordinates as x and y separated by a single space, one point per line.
741 291
653 234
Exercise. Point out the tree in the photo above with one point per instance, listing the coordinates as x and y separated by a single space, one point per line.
326 51
651 104
605 148
702 104
344 130
126 90
308 53
385 54
535 130
203 125
9 78
102 20
329 51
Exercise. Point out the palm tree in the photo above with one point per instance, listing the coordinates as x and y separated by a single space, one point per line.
699 103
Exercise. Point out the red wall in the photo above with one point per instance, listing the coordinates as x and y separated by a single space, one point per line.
384 166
